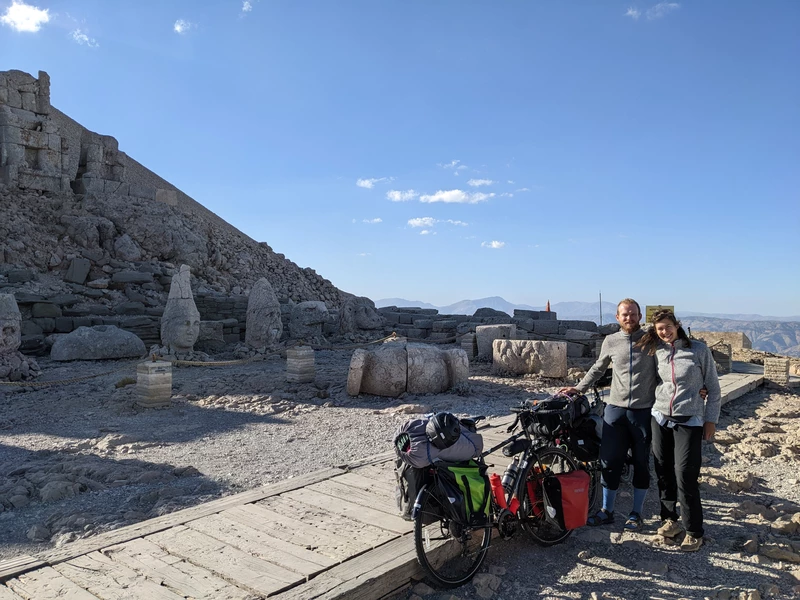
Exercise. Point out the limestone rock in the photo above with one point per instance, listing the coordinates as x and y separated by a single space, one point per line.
180 324
78 270
358 314
264 327
126 249
517 357
382 371
432 370
97 343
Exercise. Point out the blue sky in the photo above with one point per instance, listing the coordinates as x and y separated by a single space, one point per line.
445 150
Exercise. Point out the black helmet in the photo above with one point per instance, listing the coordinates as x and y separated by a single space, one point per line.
443 430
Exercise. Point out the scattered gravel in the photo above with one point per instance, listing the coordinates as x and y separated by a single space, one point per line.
81 459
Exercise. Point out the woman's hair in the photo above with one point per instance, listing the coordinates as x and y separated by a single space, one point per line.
650 339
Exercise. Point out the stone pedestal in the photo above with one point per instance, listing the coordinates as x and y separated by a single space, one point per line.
486 334
153 384
776 371
469 345
300 365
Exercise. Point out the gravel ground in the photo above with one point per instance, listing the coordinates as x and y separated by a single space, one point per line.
80 459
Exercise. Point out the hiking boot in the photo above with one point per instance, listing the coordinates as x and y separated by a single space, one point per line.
691 543
669 528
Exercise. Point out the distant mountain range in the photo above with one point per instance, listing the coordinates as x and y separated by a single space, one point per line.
780 335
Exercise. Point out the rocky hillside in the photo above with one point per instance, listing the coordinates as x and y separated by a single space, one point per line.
45 231
779 337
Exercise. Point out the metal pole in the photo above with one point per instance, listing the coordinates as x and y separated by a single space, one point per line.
601 308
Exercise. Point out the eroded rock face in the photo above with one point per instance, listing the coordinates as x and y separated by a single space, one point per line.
307 320
180 324
396 367
359 313
264 327
518 357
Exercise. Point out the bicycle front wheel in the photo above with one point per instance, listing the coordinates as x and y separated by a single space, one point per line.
450 553
533 518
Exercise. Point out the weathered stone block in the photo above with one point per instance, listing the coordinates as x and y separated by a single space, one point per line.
132 277
382 371
97 343
153 384
545 327
432 371
300 366
776 370
78 270
518 357
487 334
63 325
523 323
564 325
167 197
20 276
45 310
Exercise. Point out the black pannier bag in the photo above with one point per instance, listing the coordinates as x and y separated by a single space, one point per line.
409 482
557 414
583 441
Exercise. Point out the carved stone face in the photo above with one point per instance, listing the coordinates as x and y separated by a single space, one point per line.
10 334
186 333
180 325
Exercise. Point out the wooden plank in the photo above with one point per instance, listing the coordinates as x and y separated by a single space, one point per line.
291 529
14 566
351 510
45 583
110 580
370 498
7 594
353 532
255 542
382 473
230 563
184 578
358 480
371 460
369 576
181 517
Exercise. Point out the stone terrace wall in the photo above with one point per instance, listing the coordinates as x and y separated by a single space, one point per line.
428 324
736 339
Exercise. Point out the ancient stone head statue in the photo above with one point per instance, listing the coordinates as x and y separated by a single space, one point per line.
264 326
10 324
180 324
359 313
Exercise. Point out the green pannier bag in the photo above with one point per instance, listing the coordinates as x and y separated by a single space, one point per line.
465 492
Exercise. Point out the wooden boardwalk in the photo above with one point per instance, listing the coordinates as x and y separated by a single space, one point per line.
330 534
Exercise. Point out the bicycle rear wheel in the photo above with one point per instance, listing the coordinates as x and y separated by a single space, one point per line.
533 519
595 485
449 552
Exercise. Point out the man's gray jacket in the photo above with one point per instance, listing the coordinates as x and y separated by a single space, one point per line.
635 378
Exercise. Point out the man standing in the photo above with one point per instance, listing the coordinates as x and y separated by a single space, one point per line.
626 419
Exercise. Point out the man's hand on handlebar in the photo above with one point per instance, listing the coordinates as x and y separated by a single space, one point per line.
568 390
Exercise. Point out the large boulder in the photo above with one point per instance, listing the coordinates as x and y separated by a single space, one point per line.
486 334
264 327
97 343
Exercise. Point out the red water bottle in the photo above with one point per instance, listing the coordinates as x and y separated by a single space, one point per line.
497 490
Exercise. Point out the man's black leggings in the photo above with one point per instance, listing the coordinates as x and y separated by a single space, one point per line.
625 428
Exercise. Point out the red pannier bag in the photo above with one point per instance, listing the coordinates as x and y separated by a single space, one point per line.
574 498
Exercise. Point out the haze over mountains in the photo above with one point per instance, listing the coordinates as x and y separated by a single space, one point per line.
780 335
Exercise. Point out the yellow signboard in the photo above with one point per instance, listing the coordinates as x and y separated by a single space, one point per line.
649 311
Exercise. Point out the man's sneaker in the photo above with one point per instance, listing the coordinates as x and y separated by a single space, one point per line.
691 543
669 528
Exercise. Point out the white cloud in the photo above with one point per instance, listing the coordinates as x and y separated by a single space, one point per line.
247 6
364 254
633 13
523 190
452 222
661 9
455 165
510 182
494 244
425 232
375 220
455 197
422 222
480 182
84 40
370 183
182 26
25 17
398 196
506 195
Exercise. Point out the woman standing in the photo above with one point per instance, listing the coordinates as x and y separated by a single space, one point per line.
681 420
